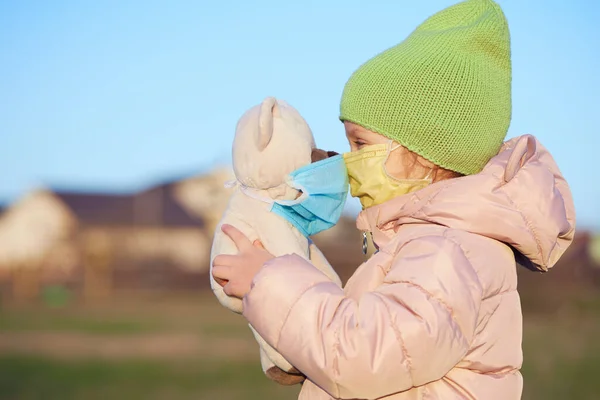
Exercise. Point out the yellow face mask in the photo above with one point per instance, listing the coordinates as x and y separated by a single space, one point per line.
369 180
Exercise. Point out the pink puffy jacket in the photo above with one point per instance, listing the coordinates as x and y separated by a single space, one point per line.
435 314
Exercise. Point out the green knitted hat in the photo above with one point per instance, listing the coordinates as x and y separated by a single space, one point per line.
444 92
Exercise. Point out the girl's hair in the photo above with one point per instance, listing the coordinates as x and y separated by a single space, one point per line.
438 173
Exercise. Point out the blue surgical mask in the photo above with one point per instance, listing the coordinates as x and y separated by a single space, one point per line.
324 186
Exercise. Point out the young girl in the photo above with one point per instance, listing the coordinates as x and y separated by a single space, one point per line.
435 313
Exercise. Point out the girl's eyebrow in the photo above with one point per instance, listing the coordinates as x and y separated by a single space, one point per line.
354 132
358 134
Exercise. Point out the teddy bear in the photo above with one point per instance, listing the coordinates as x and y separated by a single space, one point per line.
271 141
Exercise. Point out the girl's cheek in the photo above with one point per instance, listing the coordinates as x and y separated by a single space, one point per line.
395 167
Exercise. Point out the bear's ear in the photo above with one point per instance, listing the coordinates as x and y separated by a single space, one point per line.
318 155
268 110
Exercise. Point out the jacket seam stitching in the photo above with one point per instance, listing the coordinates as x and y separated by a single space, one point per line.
444 305
336 358
462 249
444 235
428 201
531 230
287 315
511 371
400 339
448 185
429 295
502 293
334 381
459 245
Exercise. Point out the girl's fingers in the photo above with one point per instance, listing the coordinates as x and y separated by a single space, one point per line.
241 241
221 282
221 273
226 260
229 290
258 244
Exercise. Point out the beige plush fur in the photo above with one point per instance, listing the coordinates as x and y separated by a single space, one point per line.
272 140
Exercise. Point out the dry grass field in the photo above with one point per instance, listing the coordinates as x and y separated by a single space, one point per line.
175 346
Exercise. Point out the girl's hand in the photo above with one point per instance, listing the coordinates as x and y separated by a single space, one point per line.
236 272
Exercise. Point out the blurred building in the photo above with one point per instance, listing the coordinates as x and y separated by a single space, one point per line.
36 233
144 240
148 238
205 196
595 249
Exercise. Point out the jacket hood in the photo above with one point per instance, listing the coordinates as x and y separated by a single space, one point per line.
520 198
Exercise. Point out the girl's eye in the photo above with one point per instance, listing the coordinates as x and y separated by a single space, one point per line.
359 143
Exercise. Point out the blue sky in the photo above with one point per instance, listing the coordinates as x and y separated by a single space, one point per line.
120 94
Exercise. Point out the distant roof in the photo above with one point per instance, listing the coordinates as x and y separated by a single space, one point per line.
153 207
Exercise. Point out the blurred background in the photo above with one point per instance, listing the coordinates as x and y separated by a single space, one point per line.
116 123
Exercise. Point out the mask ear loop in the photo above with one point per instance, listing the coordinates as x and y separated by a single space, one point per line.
390 149
304 194
427 178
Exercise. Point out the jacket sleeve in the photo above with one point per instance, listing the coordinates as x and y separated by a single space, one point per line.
411 330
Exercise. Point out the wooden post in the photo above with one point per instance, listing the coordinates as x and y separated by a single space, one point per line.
25 282
5 284
97 281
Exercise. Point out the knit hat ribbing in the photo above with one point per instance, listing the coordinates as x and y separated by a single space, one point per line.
444 92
